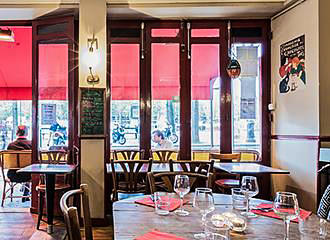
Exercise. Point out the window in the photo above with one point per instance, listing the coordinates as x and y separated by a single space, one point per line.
165 82
53 121
125 111
205 92
246 98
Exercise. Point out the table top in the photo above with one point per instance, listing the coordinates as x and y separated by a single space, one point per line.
142 219
48 168
248 168
156 168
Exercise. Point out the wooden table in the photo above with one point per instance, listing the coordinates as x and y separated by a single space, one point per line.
132 220
246 168
50 171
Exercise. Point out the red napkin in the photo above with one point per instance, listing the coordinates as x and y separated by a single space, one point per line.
174 202
303 213
157 235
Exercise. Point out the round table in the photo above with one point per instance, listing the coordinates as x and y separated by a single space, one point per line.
132 220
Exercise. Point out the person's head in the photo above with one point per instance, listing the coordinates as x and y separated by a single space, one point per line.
22 131
157 136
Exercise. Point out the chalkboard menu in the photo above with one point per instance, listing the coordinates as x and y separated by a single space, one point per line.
92 103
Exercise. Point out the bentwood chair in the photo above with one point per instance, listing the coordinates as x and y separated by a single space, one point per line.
195 180
248 155
227 181
70 214
128 154
163 155
202 167
13 161
133 180
324 208
61 183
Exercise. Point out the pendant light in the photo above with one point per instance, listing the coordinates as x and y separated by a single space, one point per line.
233 68
6 35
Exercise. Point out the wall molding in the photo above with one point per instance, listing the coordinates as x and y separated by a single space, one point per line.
301 137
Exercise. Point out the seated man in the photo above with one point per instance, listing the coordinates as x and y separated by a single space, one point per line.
21 143
162 143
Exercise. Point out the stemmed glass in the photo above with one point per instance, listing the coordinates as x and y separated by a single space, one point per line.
181 187
204 201
286 206
250 189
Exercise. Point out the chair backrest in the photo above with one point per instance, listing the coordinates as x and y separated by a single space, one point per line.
163 155
15 159
248 155
226 157
128 154
71 214
53 157
195 180
131 174
324 207
202 167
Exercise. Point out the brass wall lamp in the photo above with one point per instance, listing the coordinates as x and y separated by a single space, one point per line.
92 45
7 35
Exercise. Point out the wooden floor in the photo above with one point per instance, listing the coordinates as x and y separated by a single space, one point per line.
22 226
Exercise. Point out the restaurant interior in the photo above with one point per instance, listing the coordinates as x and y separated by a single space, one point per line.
160 119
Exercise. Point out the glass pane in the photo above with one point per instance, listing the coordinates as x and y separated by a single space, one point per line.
125 111
52 28
53 121
246 98
15 85
205 33
165 32
205 93
165 80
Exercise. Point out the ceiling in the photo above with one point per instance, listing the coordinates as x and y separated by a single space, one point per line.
147 9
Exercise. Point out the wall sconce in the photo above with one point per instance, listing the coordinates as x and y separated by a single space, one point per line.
92 45
7 35
91 42
92 78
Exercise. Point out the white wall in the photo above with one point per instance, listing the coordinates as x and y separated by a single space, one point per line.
92 19
297 113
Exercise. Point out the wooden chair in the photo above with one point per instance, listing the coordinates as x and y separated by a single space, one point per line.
61 183
133 180
248 155
14 160
195 180
227 181
202 167
128 154
163 155
70 214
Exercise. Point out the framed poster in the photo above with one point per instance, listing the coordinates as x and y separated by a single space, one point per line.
92 112
48 114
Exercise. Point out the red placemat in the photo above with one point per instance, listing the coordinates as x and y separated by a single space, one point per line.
174 202
157 235
303 213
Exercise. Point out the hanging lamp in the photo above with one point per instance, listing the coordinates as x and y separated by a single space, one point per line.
233 68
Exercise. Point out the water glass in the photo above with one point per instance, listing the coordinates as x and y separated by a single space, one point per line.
238 199
218 231
313 227
162 203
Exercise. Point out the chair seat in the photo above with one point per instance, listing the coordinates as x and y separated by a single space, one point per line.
227 183
58 187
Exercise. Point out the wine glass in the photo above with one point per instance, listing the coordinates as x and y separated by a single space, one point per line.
250 189
286 206
181 187
204 201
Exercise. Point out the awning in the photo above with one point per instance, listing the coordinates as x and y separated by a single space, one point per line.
16 68
165 71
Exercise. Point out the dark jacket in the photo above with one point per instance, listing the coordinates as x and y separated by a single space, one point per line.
20 144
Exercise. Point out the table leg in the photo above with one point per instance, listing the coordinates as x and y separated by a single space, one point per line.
50 194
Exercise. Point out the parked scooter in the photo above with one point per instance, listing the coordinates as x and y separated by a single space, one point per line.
169 134
118 135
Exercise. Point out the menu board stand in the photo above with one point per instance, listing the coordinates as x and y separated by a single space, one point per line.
92 112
